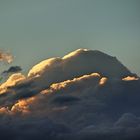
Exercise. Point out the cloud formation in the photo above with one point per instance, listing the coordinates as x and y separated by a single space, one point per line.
76 64
85 111
5 57
12 81
12 69
80 96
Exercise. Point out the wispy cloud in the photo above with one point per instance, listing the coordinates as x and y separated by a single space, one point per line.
6 57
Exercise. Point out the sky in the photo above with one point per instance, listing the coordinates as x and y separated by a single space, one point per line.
34 30
63 98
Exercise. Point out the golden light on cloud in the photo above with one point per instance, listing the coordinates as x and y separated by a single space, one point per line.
62 85
83 81
23 106
4 110
74 53
12 81
130 78
42 66
103 81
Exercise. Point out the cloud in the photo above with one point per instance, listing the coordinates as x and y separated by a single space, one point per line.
103 81
12 69
80 96
130 78
128 120
22 106
6 57
98 112
78 83
32 128
17 87
12 81
76 64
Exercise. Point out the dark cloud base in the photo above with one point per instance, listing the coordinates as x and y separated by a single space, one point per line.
12 69
76 105
97 113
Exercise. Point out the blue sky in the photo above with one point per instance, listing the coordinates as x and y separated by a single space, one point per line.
34 30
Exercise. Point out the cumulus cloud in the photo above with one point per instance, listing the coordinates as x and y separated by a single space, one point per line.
98 112
20 88
12 81
78 83
80 96
6 57
76 64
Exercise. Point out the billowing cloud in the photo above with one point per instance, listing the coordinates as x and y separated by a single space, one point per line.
94 112
18 89
5 57
12 81
80 96
78 83
76 64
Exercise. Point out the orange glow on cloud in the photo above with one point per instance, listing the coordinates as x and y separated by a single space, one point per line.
23 106
12 81
103 81
4 110
74 53
84 81
68 82
42 66
130 78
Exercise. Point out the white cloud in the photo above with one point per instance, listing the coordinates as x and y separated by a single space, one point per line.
12 81
76 64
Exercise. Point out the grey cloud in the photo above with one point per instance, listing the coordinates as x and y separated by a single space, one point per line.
62 99
125 128
12 69
32 128
128 120
85 118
